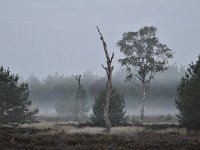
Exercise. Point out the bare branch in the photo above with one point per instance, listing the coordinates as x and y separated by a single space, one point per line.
151 76
104 67
101 36
112 57
138 77
104 45
77 77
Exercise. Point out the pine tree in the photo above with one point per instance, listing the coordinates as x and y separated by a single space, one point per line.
14 102
116 108
188 100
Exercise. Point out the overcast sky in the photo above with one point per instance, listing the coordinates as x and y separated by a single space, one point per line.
48 36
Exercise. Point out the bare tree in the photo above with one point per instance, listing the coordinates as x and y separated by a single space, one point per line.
80 95
109 68
78 79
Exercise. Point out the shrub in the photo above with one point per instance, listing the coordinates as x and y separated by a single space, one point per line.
188 100
14 102
116 108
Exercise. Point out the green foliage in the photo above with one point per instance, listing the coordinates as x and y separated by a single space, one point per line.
116 108
14 102
144 54
188 100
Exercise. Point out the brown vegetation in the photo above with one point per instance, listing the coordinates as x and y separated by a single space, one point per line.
124 138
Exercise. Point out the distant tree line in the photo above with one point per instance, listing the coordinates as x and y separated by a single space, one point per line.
58 89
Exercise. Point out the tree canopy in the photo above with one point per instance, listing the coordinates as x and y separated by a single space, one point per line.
144 56
188 100
14 100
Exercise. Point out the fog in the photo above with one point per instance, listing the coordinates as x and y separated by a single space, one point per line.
100 74
49 36
48 41
55 94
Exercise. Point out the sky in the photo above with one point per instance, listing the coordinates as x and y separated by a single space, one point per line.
48 36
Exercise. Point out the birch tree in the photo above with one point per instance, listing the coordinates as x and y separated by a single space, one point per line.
144 56
109 68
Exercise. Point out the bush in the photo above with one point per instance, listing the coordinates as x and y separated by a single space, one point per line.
116 108
188 100
14 100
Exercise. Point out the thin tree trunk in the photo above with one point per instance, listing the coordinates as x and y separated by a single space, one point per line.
80 113
108 70
106 107
78 99
143 102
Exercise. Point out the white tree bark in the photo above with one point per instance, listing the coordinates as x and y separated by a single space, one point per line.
143 102
108 70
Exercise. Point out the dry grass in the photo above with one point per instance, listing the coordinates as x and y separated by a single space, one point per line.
68 128
66 135
40 125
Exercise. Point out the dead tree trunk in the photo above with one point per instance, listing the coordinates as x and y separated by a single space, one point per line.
108 69
78 79
78 98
